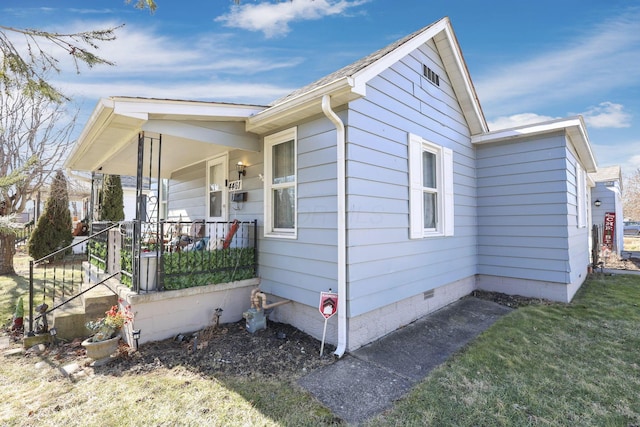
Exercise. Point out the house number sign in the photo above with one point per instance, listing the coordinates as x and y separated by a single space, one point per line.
235 185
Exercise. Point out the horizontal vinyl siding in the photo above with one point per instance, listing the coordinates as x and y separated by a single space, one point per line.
299 269
384 265
187 193
526 209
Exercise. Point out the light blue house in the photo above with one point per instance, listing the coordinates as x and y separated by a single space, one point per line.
380 182
606 196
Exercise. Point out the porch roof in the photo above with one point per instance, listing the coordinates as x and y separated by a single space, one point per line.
191 131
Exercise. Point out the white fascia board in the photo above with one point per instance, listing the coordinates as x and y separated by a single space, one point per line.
100 118
460 76
305 100
451 56
363 76
574 127
142 108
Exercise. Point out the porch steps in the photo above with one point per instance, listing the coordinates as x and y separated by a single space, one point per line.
69 320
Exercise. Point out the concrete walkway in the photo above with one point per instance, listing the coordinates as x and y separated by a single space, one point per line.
366 382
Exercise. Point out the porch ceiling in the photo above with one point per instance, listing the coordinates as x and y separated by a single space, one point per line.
191 132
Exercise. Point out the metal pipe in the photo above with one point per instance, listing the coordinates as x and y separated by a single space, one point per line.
342 224
259 300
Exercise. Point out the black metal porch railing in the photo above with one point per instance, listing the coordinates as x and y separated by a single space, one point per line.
178 254
60 277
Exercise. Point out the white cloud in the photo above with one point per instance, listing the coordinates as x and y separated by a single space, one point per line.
273 19
623 154
227 91
206 66
607 115
516 120
605 58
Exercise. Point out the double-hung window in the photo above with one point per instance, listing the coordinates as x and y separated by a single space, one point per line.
280 184
431 189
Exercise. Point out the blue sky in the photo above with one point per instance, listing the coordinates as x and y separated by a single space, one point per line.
529 61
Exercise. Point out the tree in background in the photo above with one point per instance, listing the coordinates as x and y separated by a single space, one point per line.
34 139
53 230
30 64
112 208
7 223
631 196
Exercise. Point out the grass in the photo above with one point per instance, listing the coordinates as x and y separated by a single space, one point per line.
559 364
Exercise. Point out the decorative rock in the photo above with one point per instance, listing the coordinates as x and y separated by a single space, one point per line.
69 369
38 348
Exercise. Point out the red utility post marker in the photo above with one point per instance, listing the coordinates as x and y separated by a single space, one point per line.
328 307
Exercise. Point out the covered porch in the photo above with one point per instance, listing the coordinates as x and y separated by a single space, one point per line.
174 246
151 139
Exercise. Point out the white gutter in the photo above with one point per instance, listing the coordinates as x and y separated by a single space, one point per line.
342 225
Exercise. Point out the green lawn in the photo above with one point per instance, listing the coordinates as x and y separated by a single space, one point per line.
572 364
558 365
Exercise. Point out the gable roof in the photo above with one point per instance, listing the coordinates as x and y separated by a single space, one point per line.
349 83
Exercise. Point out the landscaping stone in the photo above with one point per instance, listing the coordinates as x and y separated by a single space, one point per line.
38 348
5 342
13 352
68 370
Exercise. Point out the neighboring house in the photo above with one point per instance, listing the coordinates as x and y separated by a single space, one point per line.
380 182
129 190
606 196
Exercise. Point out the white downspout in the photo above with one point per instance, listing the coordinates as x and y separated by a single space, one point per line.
342 225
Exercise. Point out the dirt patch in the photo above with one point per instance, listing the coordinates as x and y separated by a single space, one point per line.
513 301
280 351
624 262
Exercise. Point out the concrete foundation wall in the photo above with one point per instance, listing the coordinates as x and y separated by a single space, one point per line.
527 288
375 324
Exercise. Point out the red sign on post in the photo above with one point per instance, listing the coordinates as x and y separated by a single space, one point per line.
609 230
328 304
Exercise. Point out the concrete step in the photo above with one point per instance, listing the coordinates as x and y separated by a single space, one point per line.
69 321
97 301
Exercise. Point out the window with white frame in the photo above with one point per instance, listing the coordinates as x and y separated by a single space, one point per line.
280 184
431 189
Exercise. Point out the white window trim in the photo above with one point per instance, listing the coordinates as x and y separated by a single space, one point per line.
269 142
581 197
444 177
223 160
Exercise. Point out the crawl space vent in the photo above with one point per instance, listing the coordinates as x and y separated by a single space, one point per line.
431 75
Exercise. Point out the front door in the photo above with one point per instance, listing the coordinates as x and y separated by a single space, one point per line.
217 193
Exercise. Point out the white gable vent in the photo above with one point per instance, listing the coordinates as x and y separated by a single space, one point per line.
431 75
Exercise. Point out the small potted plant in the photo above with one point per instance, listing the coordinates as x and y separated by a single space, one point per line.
18 316
106 331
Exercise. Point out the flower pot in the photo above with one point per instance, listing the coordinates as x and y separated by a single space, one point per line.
99 350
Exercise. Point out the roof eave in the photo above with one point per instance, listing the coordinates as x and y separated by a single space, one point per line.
99 119
574 127
351 87
305 105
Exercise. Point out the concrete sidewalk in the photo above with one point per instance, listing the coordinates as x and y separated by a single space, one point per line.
366 382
